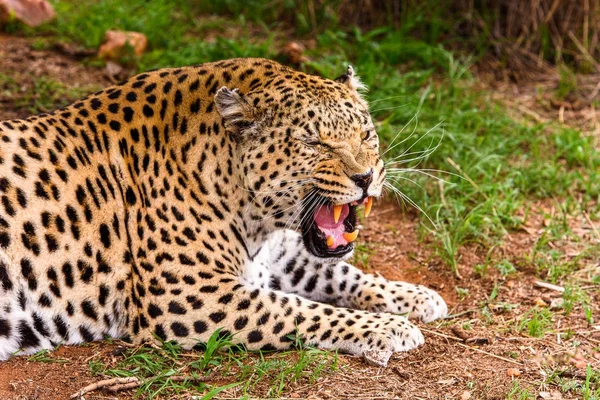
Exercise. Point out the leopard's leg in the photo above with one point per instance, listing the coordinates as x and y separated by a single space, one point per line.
267 319
189 307
293 269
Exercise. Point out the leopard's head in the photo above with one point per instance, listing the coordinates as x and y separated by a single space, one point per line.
310 156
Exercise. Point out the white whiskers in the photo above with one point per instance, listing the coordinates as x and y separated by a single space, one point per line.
404 197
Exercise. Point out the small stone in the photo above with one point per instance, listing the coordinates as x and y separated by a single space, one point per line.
113 69
30 12
116 43
465 395
553 395
557 303
513 372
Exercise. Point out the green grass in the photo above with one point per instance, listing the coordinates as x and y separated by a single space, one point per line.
362 254
535 322
39 94
586 389
574 296
47 94
45 356
235 368
519 393
156 367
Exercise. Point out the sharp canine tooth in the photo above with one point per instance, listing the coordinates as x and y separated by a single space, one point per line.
337 211
351 236
330 241
368 206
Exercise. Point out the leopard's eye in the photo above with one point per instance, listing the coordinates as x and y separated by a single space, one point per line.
367 135
313 142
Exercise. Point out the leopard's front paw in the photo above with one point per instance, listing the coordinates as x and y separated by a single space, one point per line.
416 301
396 335
374 336
428 305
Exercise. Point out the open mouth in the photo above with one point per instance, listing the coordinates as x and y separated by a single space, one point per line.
331 229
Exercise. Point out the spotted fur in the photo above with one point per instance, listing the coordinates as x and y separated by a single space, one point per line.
167 207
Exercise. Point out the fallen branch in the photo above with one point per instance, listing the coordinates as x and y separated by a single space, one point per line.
124 386
532 114
120 384
550 286
452 316
459 333
441 334
489 354
103 384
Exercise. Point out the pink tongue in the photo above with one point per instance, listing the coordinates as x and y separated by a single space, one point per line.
327 225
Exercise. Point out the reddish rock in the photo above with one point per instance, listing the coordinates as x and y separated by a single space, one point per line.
30 12
116 42
294 52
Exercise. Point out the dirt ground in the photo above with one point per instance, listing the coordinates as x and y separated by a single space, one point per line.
481 362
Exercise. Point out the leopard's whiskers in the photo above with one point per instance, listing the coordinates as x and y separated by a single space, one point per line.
406 198
298 212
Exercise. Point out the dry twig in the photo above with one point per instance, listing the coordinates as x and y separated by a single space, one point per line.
103 384
490 354
441 334
550 286
120 384
584 51
587 217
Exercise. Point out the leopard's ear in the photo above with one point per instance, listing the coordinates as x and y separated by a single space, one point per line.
351 80
238 114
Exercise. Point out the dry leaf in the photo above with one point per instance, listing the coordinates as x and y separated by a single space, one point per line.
540 302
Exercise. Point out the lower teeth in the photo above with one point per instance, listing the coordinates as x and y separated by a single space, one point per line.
351 236
330 241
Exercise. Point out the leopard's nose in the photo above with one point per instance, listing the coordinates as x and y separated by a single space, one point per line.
363 181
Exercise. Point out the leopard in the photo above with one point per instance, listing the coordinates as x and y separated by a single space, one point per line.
222 197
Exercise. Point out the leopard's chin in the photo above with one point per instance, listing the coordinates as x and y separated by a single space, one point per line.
330 229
